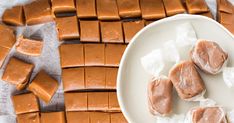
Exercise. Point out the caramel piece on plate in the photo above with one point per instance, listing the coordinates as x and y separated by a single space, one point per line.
113 102
50 117
99 117
118 118
73 79
14 16
173 7
86 9
224 6
63 6
112 32
207 14
8 37
107 10
111 78
196 6
19 77
3 54
74 117
29 118
67 28
98 101
131 28
95 78
76 101
226 18
129 8
71 55
152 9
25 103
94 54
43 86
113 53
38 12
89 31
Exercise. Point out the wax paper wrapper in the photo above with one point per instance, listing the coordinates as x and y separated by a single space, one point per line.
228 76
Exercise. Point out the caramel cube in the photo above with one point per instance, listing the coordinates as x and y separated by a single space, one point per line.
113 53
95 78
99 117
98 101
8 37
28 118
196 6
89 31
3 54
86 8
226 18
107 10
63 6
14 16
50 117
111 78
224 6
173 7
74 117
94 54
112 32
131 28
129 8
76 101
118 118
113 102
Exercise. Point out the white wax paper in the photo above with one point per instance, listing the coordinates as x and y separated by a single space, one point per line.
228 76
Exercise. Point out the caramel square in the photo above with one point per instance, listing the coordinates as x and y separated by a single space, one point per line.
196 6
38 12
67 28
98 101
63 6
89 31
107 10
73 79
113 53
14 16
43 86
25 103
74 117
224 6
86 9
173 7
95 78
226 18
50 117
94 54
76 101
17 72
113 102
8 38
131 28
3 54
28 118
111 78
118 118
71 55
129 8
112 32
99 117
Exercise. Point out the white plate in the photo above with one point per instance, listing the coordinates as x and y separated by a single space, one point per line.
132 79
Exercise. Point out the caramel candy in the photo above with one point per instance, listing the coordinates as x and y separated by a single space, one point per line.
71 55
207 14
113 53
95 78
63 6
94 54
226 18
112 32
8 37
28 118
131 28
3 54
67 28
89 31
113 102
196 6
152 9
38 12
20 77
73 79
224 6
76 101
186 80
25 103
111 78
107 10
43 86
74 117
129 8
14 16
98 101
173 7
99 117
50 117
118 118
29 47
86 9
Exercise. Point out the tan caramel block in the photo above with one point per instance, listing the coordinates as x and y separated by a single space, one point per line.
50 117
152 9
20 77
89 31
38 12
118 118
28 118
73 79
74 117
111 78
43 86
112 32
129 8
76 101
86 8
98 101
8 37
113 53
107 10
3 54
207 14
226 18
94 54
224 6
113 102
71 55
95 78
25 103
173 7
196 6
99 117
14 16
131 28
67 28
63 6
29 47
